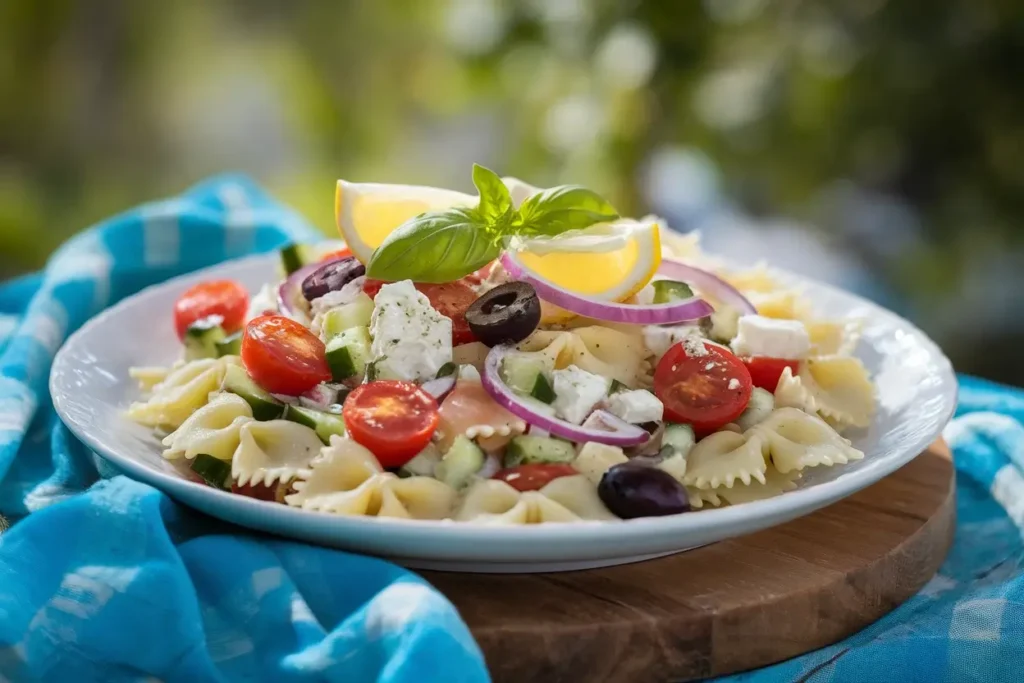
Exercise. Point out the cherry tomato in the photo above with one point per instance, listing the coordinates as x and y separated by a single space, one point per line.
450 299
272 494
765 372
225 298
706 391
340 253
393 419
282 356
477 277
533 477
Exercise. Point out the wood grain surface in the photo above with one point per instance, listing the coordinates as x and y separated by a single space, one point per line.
731 606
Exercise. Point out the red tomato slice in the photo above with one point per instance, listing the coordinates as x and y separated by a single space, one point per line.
707 391
450 299
271 494
765 372
533 477
477 277
282 356
225 298
340 253
393 419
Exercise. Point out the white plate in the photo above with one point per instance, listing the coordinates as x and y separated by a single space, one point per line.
91 388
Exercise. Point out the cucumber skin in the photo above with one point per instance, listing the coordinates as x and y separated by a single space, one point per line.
531 450
324 424
264 406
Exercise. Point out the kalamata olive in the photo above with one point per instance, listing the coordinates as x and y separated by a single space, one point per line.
505 315
630 491
331 276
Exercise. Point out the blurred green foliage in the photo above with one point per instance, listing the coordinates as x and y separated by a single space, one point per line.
108 103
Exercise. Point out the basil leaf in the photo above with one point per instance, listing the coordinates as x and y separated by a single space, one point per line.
438 246
562 208
495 206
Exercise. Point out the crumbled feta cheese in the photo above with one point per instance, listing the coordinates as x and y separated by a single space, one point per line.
694 345
345 295
761 336
734 384
577 392
594 459
264 302
411 340
660 338
636 406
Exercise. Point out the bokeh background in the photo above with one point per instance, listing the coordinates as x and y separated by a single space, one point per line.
875 144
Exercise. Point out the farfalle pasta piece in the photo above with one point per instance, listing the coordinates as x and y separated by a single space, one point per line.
775 484
758 279
723 458
833 337
678 245
346 479
787 304
700 497
151 375
836 388
273 451
597 349
185 390
215 429
566 499
794 440
471 412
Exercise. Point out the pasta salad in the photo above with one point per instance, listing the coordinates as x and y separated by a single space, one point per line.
518 357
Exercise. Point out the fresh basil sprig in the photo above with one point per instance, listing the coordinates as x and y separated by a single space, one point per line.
442 246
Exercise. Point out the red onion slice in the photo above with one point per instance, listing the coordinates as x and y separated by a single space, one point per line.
686 310
289 293
620 432
708 283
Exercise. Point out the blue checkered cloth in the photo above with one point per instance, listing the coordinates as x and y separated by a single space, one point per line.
112 581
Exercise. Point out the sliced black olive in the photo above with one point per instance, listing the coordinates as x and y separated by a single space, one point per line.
505 315
331 277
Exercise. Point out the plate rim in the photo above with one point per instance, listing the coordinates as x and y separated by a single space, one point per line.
789 506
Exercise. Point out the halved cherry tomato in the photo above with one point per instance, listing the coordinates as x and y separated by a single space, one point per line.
272 494
282 356
225 298
393 419
533 477
450 299
706 391
765 372
340 253
478 276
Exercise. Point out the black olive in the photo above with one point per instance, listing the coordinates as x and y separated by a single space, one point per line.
331 277
634 490
505 315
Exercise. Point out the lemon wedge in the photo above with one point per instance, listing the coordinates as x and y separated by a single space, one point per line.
367 213
610 262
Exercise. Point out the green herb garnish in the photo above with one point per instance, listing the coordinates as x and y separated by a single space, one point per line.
442 246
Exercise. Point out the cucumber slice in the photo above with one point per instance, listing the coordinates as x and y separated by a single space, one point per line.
214 471
353 314
230 345
423 464
447 369
292 258
667 291
202 336
324 424
761 405
530 450
616 386
460 463
348 353
679 438
542 390
264 406
520 370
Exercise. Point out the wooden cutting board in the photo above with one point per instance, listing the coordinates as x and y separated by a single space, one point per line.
731 606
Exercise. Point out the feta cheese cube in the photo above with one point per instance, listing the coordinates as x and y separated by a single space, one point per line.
636 406
264 302
411 341
595 459
761 336
660 338
577 392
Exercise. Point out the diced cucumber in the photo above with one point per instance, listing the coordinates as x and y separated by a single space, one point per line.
202 336
353 314
264 406
348 353
448 368
762 403
214 471
324 424
667 291
293 257
460 463
423 464
519 370
230 345
616 386
677 440
542 390
530 450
